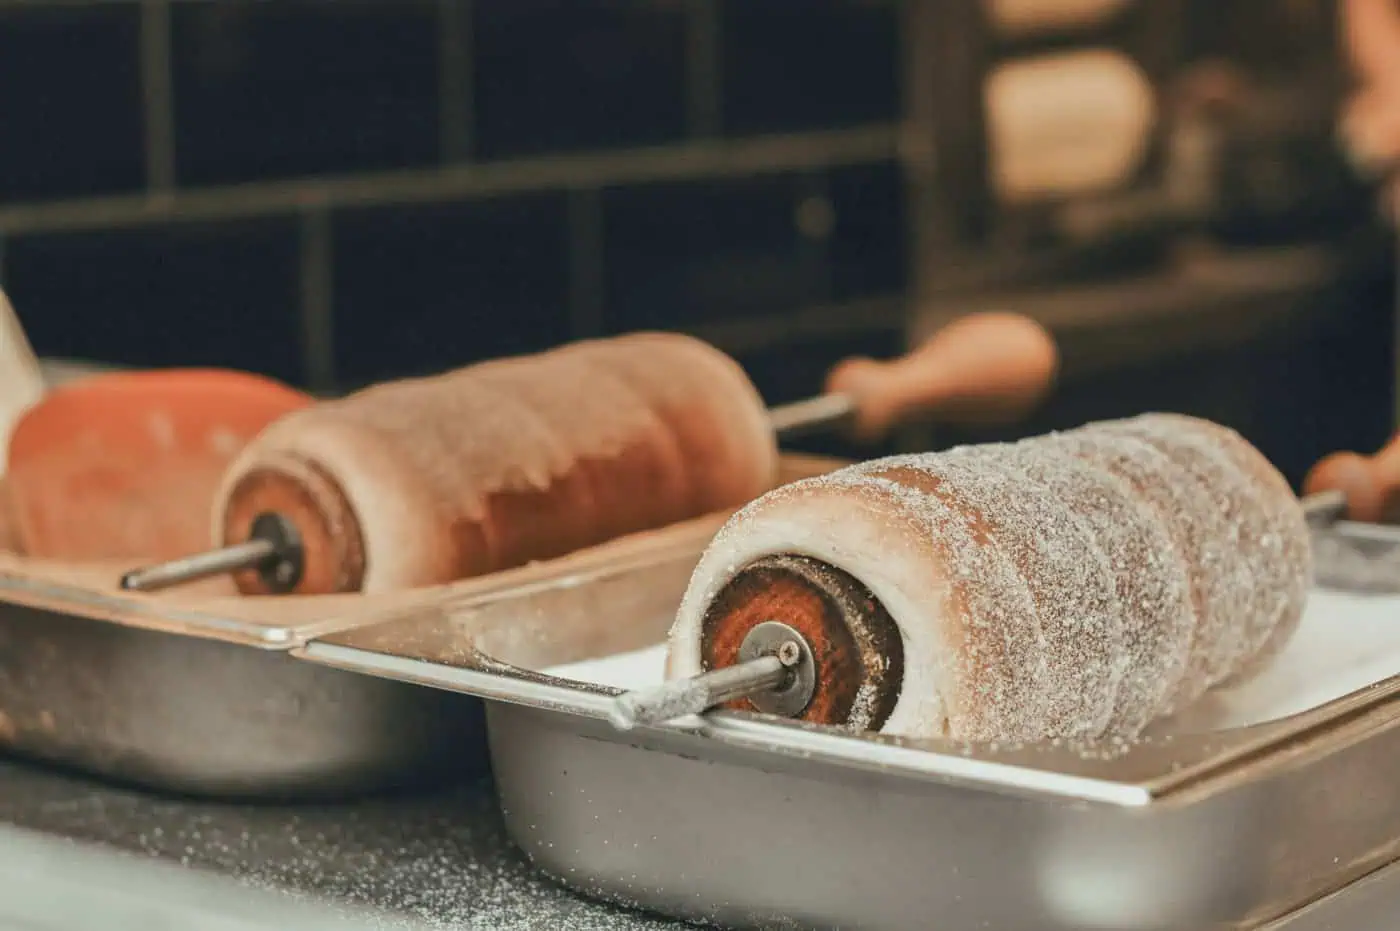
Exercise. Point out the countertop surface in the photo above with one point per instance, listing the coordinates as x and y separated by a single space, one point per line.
433 862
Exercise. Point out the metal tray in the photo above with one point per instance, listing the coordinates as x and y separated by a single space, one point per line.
197 695
743 820
203 704
1368 904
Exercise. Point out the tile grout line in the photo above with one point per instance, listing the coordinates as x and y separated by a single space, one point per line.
317 299
157 94
456 80
686 161
704 77
587 277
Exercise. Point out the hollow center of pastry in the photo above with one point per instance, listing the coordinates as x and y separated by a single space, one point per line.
333 552
856 645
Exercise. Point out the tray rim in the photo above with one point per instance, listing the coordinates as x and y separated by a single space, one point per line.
1241 755
74 601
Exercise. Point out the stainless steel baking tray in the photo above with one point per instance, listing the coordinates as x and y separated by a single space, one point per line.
1233 816
199 695
1369 904
195 703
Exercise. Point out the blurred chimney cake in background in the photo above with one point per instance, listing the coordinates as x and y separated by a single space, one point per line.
1066 124
1063 123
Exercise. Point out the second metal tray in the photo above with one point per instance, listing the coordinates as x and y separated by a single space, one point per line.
756 822
206 705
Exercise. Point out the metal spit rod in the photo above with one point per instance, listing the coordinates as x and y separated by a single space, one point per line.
246 555
776 671
1325 507
812 414
679 698
273 549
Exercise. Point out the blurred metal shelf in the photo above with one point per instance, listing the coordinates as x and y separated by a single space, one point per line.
789 152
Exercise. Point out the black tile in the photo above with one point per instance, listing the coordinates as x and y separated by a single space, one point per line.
303 86
808 65
70 102
217 295
428 288
577 74
869 238
797 370
703 251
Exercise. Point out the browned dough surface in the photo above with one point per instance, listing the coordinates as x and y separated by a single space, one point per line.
496 465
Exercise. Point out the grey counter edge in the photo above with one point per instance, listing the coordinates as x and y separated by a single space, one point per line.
54 884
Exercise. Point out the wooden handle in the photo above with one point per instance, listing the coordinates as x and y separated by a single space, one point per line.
1371 483
981 369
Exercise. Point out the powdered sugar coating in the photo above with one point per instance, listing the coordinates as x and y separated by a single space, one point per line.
1075 585
1273 523
1169 494
996 623
1151 590
1250 597
1064 612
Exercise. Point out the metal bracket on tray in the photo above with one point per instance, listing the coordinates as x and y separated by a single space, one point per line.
776 672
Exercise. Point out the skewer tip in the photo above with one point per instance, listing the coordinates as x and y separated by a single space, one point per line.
621 714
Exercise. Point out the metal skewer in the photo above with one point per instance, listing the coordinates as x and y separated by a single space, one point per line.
274 549
681 697
1325 507
776 671
799 418
215 562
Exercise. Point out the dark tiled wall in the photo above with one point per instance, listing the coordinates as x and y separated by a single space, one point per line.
183 293
560 75
292 88
355 190
70 102
421 288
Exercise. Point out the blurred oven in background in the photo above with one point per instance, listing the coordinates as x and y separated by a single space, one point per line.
335 193
1160 182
